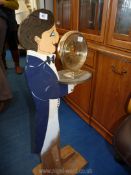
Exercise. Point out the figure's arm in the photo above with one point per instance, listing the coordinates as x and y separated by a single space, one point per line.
44 85
65 89
11 4
62 90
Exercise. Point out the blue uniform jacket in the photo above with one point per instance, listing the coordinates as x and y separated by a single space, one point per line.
43 84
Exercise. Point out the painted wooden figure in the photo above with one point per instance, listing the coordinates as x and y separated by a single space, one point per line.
38 35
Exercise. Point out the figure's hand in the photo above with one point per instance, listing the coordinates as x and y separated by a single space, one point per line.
2 2
71 87
75 85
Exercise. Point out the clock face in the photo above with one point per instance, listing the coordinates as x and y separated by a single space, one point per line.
72 49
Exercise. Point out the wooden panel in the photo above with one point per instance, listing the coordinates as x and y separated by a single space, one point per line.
110 51
66 10
81 96
58 62
118 40
90 58
90 15
63 14
113 87
81 99
68 19
95 36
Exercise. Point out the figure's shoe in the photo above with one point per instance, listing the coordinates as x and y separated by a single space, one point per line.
18 70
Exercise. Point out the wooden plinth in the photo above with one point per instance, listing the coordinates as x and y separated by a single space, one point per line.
72 162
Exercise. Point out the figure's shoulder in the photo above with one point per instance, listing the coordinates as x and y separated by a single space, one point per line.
33 60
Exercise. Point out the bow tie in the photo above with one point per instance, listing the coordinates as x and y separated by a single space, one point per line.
49 60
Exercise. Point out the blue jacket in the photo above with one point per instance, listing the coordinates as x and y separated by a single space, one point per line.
43 84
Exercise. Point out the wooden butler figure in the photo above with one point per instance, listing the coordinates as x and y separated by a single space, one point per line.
38 35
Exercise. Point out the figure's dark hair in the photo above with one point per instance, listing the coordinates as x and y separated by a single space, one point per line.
33 26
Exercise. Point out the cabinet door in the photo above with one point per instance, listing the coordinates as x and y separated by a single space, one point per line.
120 24
92 18
113 86
63 14
80 98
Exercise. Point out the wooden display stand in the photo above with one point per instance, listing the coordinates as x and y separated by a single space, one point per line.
72 162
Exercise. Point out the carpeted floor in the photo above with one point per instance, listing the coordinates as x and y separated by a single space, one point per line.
15 148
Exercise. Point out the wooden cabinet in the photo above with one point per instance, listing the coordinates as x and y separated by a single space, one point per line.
63 14
92 18
87 16
113 86
81 98
90 61
106 25
79 104
65 11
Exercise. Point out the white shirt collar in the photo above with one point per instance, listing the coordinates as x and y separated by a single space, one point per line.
39 55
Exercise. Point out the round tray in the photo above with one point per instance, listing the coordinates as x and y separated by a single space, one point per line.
68 77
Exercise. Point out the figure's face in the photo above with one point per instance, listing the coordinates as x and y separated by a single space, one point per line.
46 44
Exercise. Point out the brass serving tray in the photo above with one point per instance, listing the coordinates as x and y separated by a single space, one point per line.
72 50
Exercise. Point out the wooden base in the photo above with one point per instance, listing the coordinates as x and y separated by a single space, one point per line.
72 162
